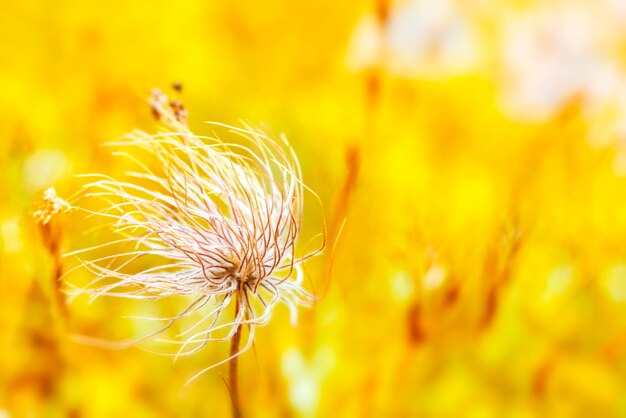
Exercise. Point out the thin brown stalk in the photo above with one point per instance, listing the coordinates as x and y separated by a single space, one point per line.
233 365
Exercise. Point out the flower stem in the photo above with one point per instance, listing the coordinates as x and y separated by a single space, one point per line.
232 365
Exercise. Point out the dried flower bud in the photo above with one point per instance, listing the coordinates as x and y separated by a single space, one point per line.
171 113
49 206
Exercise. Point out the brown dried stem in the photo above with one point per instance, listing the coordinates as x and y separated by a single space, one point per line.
233 365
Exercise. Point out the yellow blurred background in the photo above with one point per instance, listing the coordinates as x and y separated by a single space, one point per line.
477 152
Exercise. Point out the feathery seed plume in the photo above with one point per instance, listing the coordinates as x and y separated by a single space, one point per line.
220 220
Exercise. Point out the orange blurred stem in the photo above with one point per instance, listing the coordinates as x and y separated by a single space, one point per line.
232 365
56 285
52 237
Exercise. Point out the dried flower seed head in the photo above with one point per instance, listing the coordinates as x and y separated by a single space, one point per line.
49 206
171 113
218 221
